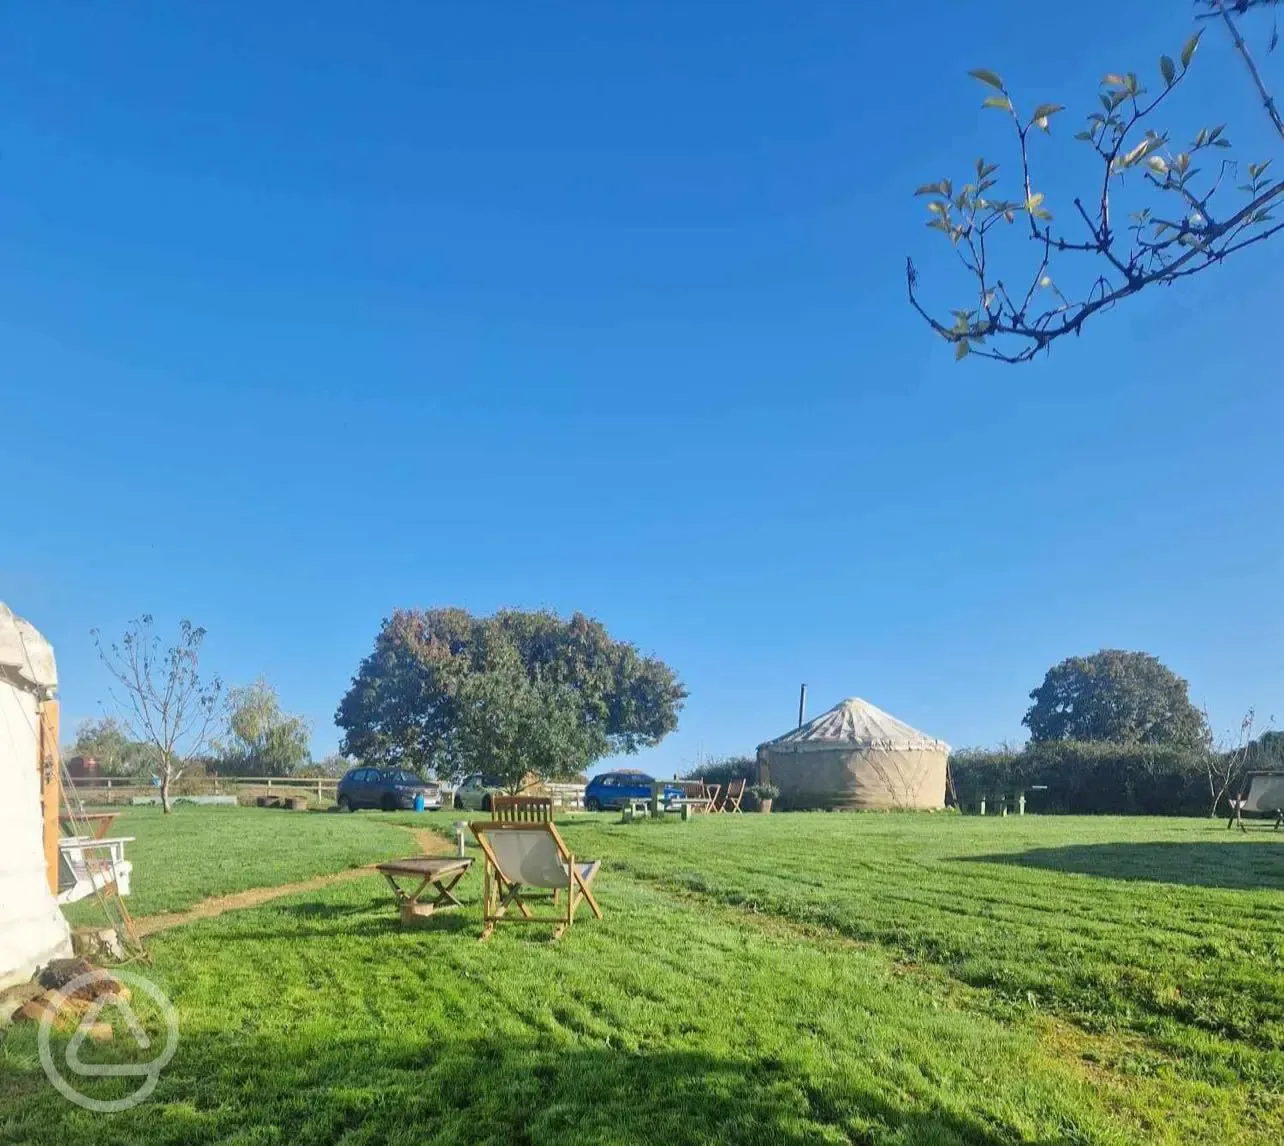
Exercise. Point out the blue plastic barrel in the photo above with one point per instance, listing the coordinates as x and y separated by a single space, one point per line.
419 801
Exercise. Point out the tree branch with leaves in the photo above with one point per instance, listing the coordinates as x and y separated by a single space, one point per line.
162 698
1184 213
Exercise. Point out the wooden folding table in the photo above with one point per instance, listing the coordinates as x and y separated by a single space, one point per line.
441 873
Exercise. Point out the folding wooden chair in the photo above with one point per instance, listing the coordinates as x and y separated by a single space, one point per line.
522 809
525 856
735 793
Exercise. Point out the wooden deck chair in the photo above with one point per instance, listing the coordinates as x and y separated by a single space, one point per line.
522 809
735 793
524 856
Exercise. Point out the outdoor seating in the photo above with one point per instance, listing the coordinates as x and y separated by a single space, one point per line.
86 866
522 809
524 857
735 793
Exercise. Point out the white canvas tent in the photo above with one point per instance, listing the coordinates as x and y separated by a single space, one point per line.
32 929
856 756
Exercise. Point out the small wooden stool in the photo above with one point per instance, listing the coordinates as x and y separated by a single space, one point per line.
438 872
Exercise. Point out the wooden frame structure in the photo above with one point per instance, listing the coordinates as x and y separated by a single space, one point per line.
505 887
439 872
49 768
734 794
522 809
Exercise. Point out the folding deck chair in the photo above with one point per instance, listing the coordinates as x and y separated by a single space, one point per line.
522 809
530 855
735 793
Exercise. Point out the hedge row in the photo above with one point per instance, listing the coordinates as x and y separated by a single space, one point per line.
1085 778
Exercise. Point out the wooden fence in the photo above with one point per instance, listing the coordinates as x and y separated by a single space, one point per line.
320 788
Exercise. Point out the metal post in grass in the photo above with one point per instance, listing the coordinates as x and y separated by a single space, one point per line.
460 827
983 805
1020 803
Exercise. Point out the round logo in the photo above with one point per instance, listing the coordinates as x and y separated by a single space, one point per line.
147 1072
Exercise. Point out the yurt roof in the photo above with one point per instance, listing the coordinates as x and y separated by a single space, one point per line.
25 656
855 723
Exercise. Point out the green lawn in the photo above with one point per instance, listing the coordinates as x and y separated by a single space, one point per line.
785 979
195 853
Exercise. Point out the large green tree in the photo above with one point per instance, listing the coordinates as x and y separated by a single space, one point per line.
436 678
1124 697
512 725
263 739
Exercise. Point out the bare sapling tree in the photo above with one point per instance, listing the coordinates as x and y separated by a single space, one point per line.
1224 763
161 696
1188 206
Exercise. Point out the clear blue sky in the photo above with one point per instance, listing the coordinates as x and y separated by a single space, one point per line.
308 311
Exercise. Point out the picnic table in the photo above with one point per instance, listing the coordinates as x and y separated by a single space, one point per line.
441 873
98 823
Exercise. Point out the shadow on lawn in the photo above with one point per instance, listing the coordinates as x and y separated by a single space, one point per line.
513 1092
1236 865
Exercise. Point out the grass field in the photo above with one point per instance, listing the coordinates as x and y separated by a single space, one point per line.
196 852
785 979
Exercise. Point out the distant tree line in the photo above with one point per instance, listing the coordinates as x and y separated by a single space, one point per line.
249 734
1116 733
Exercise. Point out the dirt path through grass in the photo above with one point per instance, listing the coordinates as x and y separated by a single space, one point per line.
429 843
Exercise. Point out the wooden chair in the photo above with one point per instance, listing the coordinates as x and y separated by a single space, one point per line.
735 793
522 809
86 866
526 856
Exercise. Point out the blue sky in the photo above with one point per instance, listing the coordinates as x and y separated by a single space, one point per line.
312 311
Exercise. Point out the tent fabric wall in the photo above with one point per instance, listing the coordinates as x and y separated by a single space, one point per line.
32 929
856 779
855 757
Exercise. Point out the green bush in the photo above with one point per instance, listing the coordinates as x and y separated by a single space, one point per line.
723 771
1085 778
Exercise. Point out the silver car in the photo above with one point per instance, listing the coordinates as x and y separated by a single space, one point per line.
474 792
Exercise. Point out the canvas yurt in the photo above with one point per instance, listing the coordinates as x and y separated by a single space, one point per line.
32 929
853 757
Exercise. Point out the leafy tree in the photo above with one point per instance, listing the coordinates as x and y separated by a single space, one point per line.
1187 207
164 702
414 701
264 740
332 765
1123 697
107 741
512 726
1266 753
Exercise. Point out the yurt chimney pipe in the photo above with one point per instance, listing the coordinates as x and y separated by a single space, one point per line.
802 704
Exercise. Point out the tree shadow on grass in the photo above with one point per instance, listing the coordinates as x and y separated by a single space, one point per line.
1236 865
505 1092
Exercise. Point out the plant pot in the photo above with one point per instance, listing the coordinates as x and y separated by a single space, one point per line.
764 805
